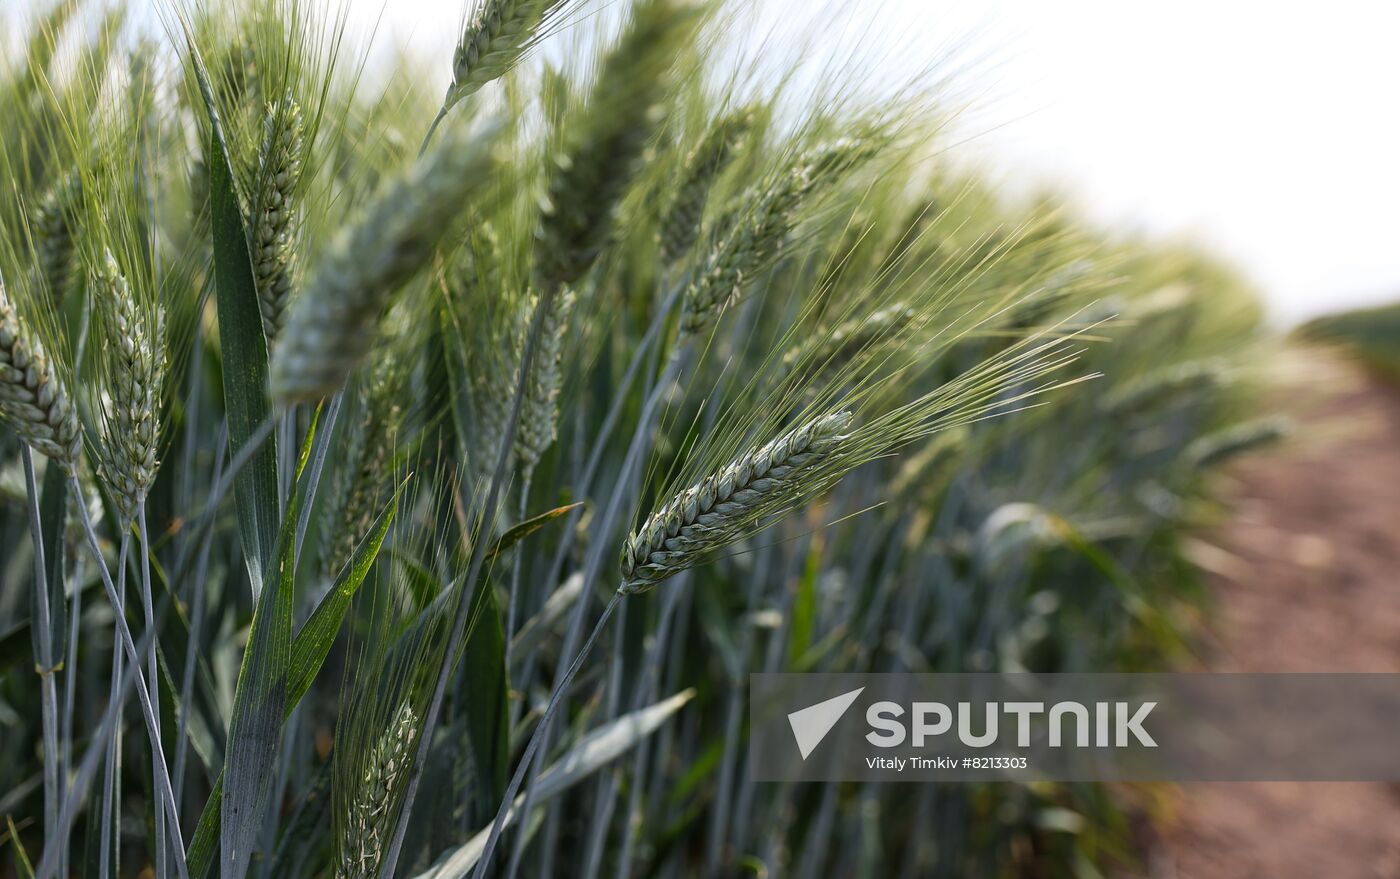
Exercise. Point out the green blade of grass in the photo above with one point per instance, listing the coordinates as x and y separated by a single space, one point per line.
242 345
260 705
308 652
313 641
487 685
261 698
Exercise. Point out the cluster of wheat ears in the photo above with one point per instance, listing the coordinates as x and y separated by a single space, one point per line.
363 391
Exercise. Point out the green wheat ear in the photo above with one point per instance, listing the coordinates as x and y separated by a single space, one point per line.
33 399
540 413
371 816
755 236
131 427
272 214
53 234
715 511
680 224
498 33
602 151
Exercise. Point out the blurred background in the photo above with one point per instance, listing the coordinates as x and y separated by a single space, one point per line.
1266 132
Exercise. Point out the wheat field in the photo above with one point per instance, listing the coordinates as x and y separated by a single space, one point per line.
404 484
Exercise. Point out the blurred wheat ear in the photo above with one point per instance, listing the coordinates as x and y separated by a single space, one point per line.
330 324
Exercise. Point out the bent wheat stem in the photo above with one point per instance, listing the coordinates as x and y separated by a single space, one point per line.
528 758
164 792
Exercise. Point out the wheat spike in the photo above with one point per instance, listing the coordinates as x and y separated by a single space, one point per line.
1161 386
602 151
1216 448
329 325
755 236
490 405
53 235
730 265
33 400
362 487
495 323
131 429
540 414
717 510
271 220
680 224
849 339
923 472
371 814
498 33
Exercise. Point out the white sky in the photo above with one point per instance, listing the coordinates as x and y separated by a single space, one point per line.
1268 131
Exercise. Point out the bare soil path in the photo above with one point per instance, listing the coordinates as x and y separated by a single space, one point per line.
1309 580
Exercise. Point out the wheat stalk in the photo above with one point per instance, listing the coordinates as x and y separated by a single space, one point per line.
588 178
33 400
271 220
363 837
328 326
717 510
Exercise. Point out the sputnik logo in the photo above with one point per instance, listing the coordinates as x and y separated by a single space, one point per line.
810 725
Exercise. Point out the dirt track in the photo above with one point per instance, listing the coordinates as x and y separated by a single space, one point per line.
1309 580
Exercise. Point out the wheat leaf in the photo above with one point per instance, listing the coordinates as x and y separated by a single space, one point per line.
524 529
595 751
308 652
261 699
313 641
242 345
